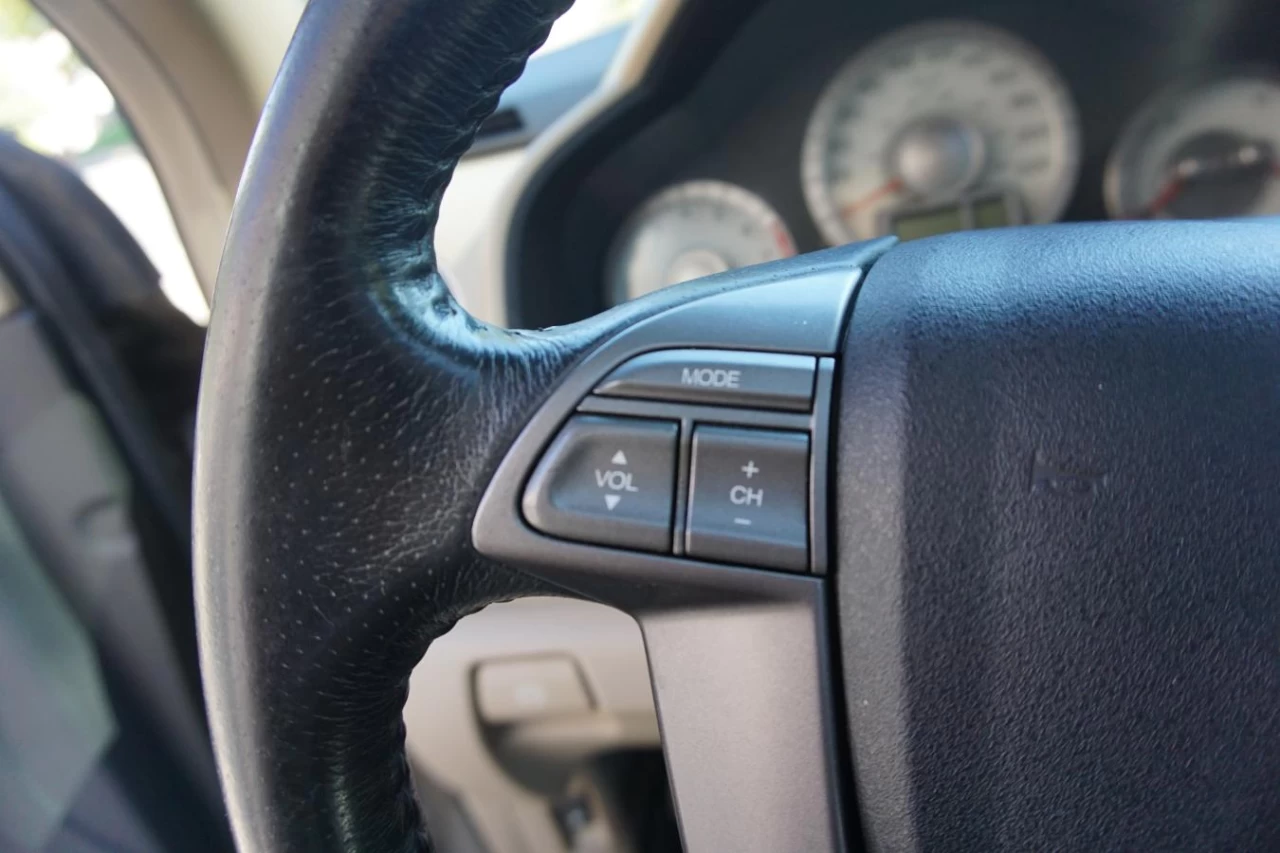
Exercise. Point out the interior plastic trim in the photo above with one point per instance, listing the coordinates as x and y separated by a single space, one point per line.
737 656
184 99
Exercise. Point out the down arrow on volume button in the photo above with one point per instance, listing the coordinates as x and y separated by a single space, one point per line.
607 480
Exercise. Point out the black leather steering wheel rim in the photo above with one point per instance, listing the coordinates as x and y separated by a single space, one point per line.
324 573
352 416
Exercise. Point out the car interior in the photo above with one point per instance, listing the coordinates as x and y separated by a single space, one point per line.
678 425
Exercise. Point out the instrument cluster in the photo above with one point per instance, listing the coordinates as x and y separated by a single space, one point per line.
950 125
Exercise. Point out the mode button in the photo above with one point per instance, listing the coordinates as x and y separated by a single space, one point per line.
758 380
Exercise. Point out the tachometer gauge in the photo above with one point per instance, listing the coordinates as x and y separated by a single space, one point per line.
937 127
691 230
1200 151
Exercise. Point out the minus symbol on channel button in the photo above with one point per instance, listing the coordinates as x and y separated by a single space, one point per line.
745 522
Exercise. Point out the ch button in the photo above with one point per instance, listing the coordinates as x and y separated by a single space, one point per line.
749 497
607 480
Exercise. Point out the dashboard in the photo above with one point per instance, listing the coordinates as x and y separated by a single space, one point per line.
793 125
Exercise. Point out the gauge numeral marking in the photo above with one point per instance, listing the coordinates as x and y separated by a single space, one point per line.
866 84
1031 167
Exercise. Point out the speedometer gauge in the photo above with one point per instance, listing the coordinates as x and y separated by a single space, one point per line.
938 127
691 230
1200 151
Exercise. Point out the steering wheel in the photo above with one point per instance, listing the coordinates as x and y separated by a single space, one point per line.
1000 571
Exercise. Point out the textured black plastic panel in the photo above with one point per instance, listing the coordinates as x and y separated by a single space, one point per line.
1059 556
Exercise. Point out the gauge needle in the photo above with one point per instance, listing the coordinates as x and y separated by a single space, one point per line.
1171 190
889 187
1195 168
782 240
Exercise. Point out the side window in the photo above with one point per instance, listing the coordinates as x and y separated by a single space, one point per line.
587 18
56 105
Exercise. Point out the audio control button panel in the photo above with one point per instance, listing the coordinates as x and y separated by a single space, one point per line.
714 455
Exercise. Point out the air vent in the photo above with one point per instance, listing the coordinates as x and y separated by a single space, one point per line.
500 123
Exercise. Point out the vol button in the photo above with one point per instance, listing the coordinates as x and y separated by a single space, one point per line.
616 481
607 480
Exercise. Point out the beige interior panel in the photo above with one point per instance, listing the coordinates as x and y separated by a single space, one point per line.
187 103
257 32
448 740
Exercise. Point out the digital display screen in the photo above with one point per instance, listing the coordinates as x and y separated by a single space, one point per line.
913 226
991 212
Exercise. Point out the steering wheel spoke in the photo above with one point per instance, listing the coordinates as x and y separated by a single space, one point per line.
737 653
